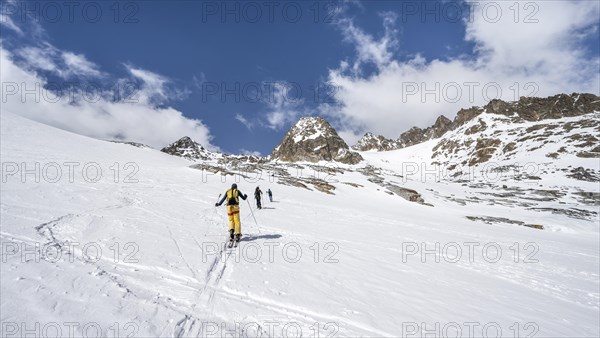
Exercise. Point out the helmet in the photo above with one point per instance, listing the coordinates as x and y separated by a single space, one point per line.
234 186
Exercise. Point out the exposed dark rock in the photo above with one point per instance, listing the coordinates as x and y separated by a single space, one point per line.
509 147
220 170
378 143
439 128
303 182
588 154
476 128
241 161
583 174
313 139
356 185
408 194
588 197
484 150
491 220
135 144
553 107
526 109
188 149
414 135
573 212
374 176
465 115
417 135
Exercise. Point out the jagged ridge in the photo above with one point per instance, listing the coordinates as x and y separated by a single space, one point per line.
525 109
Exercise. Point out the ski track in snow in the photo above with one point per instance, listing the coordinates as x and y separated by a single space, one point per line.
173 288
299 313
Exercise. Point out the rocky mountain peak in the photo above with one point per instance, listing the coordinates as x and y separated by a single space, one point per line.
313 139
373 142
417 135
187 148
441 124
310 127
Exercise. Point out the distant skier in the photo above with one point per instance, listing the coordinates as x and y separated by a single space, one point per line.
270 193
233 211
258 196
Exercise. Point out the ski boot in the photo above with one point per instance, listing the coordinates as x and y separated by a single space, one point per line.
231 239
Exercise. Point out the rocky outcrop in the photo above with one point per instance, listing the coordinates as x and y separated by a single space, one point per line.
525 109
417 135
377 143
135 144
411 137
188 149
439 128
313 139
465 115
555 127
553 107
484 149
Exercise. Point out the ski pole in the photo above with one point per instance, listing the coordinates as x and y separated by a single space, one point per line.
215 208
252 213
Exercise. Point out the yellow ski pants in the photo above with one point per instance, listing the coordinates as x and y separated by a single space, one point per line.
233 211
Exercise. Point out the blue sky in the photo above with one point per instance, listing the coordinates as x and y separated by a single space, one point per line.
373 63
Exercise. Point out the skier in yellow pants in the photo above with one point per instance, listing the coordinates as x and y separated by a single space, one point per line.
233 211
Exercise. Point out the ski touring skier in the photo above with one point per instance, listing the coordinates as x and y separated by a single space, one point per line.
233 211
270 193
258 196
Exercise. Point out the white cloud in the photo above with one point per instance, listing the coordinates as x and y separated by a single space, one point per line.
369 49
283 106
543 58
248 124
7 8
249 152
99 118
153 85
78 64
130 114
198 81
7 21
67 65
155 89
40 58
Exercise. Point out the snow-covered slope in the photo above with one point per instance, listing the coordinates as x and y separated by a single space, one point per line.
543 169
498 138
146 245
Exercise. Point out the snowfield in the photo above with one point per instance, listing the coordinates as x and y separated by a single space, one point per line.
107 239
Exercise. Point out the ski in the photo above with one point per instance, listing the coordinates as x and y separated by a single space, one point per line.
230 244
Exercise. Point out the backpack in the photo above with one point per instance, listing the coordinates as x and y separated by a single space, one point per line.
232 197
